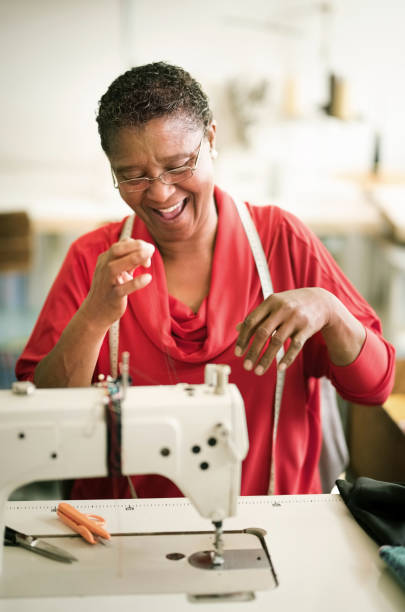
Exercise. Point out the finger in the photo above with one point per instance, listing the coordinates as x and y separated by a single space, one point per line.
296 344
249 325
276 341
245 333
246 330
261 337
125 277
129 245
139 282
128 263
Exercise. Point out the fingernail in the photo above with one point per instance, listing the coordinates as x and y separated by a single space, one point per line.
238 351
282 367
259 370
147 263
248 365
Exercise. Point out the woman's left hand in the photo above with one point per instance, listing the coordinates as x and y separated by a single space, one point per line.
297 315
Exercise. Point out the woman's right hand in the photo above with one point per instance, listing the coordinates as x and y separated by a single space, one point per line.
113 280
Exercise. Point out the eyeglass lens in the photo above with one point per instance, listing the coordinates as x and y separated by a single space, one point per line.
168 178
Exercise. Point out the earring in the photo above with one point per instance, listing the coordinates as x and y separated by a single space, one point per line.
214 153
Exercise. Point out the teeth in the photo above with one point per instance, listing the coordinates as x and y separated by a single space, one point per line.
171 208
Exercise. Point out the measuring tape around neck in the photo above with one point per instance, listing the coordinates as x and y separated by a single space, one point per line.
267 289
114 332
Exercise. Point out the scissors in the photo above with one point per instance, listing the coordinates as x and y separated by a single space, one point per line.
84 524
16 538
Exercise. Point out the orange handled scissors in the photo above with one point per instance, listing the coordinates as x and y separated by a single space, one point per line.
83 524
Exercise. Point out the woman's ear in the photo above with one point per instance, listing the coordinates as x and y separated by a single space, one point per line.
211 133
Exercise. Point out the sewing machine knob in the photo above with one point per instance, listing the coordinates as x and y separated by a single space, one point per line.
223 372
210 374
216 375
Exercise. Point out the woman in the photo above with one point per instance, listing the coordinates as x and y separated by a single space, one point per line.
185 289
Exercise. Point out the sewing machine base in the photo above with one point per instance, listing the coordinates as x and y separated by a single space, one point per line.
145 564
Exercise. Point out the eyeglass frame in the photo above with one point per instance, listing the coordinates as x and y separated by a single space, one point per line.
117 183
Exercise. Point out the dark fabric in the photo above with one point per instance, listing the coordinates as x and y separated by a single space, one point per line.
379 507
394 557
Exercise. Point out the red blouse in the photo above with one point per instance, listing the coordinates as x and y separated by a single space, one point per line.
168 343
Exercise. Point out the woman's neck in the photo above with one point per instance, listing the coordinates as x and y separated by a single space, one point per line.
188 265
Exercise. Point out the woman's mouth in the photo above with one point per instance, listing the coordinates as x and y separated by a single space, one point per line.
172 212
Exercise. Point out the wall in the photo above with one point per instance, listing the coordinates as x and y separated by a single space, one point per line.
360 40
57 59
59 56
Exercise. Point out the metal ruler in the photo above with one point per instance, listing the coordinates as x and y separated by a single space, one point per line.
128 515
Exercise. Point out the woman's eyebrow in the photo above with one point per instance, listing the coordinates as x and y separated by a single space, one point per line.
172 158
127 168
165 160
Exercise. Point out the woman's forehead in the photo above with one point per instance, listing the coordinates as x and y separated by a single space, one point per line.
162 137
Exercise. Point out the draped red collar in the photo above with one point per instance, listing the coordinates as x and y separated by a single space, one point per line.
170 325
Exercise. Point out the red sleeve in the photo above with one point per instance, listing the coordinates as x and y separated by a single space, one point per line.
65 297
67 293
375 363
297 258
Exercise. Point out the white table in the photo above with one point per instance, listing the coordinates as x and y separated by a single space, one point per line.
322 558
389 200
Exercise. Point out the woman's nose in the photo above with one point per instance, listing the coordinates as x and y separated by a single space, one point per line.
159 191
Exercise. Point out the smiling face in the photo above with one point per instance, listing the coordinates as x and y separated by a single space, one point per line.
172 213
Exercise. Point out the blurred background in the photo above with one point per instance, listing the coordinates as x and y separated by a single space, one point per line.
309 101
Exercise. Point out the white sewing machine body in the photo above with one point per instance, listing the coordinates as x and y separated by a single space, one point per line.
54 434
193 435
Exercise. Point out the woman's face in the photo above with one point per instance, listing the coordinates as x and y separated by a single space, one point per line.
171 212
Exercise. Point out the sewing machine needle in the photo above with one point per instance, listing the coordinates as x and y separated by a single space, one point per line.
218 554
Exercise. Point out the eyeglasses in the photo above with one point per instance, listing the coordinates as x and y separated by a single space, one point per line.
169 177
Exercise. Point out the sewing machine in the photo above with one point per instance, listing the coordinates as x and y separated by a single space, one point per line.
195 435
53 433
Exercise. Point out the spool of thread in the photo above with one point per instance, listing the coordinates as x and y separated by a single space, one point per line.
340 99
